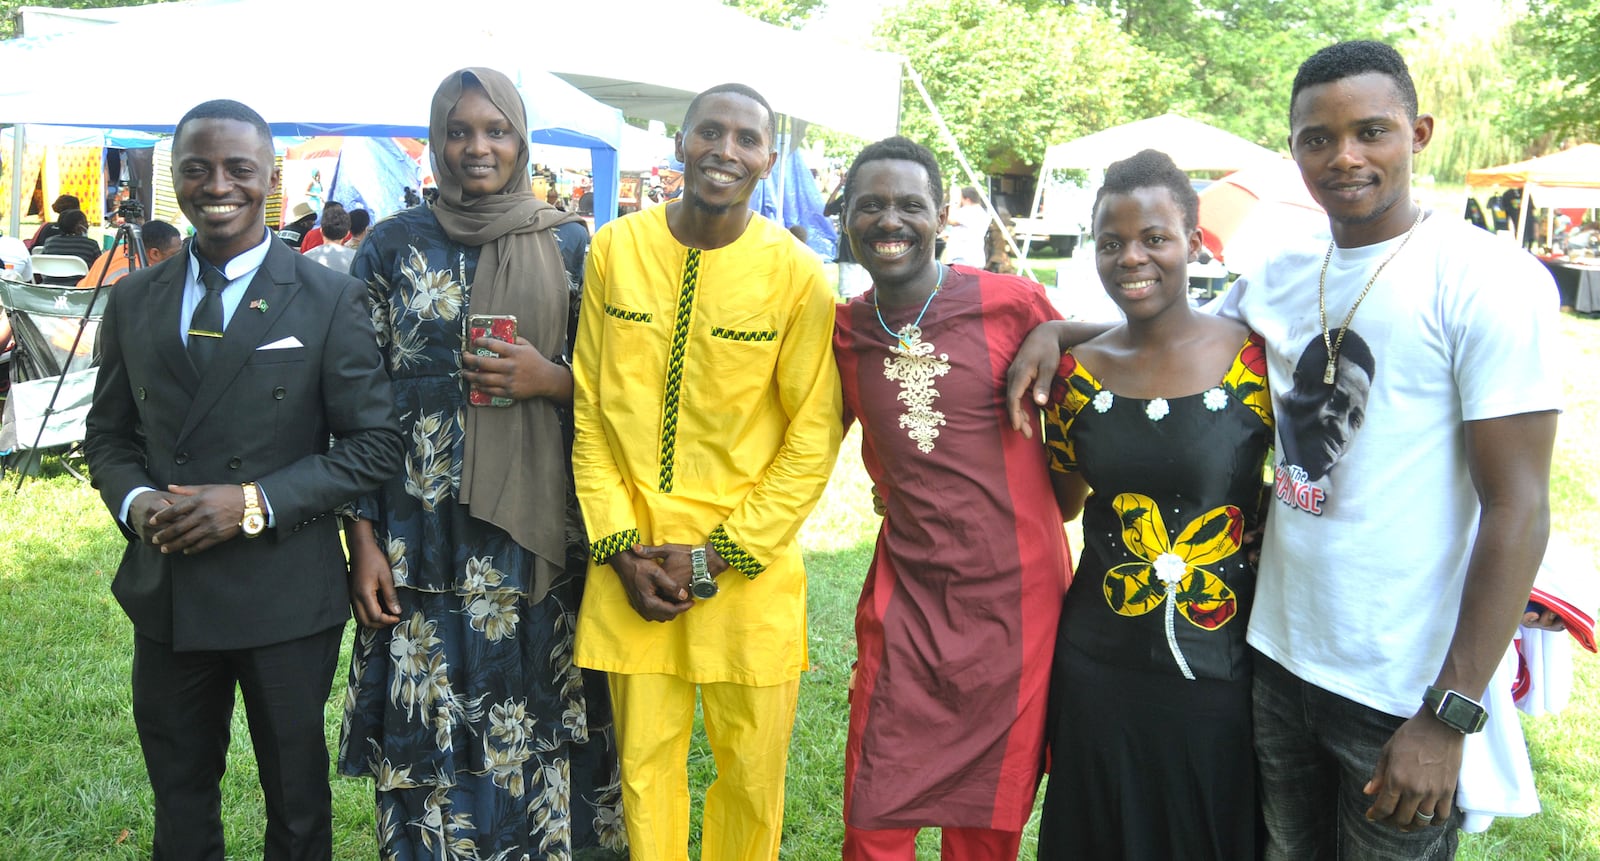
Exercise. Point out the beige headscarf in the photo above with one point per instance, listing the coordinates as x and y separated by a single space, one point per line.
515 473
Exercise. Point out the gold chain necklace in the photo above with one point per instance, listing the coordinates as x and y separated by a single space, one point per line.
1322 301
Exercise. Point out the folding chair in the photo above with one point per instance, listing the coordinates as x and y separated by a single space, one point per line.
53 368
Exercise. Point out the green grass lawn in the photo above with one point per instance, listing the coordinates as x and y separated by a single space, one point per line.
73 778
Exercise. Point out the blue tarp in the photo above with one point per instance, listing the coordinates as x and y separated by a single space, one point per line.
373 174
802 204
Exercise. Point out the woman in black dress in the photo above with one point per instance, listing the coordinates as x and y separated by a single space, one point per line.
1167 420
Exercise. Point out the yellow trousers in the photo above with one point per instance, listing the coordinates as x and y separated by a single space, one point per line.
748 728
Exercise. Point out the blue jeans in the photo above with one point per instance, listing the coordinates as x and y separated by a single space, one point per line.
1316 750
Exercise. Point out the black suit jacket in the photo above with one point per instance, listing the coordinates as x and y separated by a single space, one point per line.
256 415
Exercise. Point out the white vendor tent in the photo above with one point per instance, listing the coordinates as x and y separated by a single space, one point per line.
1569 179
70 87
1192 144
803 75
599 46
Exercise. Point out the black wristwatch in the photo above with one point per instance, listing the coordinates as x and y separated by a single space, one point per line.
1456 710
701 584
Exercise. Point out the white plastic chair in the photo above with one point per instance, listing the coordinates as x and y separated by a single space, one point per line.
59 269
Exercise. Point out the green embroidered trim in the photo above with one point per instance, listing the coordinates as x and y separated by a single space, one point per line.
734 555
680 340
744 334
625 314
612 544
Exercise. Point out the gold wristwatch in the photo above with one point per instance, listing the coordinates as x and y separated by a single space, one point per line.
254 521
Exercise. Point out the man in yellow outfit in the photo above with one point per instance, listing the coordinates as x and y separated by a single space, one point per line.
708 418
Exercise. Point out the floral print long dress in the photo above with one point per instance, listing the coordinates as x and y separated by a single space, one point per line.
484 740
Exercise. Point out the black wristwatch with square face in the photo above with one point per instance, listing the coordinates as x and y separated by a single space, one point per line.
1456 710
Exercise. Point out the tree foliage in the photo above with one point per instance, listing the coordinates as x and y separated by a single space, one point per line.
784 13
1559 40
1010 81
8 9
1241 55
1459 64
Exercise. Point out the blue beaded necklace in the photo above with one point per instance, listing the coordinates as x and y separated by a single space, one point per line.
905 345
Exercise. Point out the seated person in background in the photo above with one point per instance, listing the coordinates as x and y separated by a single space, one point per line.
15 262
161 240
5 353
301 217
360 220
314 237
1584 241
331 251
73 238
65 203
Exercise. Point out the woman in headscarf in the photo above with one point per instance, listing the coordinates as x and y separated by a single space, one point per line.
483 738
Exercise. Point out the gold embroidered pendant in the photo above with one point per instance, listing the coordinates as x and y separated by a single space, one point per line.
915 367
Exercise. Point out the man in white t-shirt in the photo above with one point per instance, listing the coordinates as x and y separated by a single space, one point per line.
1412 493
964 230
1411 480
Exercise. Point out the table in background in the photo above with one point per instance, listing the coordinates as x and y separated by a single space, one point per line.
1577 282
1587 299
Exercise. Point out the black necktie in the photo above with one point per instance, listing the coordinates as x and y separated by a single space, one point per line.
205 329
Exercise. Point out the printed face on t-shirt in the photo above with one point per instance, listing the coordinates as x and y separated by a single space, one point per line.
1321 420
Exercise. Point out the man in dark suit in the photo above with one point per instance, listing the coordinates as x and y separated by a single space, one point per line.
225 370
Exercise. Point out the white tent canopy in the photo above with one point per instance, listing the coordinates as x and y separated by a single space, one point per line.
803 75
1192 144
70 88
1569 179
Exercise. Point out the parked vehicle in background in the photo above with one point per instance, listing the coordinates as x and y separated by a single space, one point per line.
1060 217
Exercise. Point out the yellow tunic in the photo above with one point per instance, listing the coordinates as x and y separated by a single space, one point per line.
707 407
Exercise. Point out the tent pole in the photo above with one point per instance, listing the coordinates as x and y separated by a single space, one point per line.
18 147
781 167
1522 214
1550 229
961 158
1038 202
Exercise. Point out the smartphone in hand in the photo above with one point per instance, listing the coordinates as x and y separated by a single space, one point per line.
501 327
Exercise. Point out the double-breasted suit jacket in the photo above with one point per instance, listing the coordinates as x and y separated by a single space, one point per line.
258 414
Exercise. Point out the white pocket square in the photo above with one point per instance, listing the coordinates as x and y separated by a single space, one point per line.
282 344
